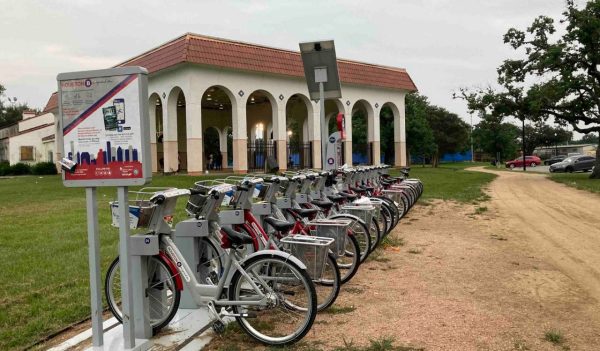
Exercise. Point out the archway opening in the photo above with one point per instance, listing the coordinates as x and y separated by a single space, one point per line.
361 151
181 133
299 148
216 121
156 118
259 119
386 119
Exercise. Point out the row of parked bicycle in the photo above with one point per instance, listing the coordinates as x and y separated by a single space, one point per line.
268 250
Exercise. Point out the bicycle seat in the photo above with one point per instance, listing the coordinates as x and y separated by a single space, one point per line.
305 212
323 203
348 195
358 190
279 225
237 238
336 198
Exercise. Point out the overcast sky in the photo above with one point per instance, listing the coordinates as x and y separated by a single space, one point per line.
444 44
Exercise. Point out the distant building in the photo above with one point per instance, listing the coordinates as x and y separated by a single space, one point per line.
549 151
31 140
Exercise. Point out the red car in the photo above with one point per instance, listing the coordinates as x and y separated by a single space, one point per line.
531 161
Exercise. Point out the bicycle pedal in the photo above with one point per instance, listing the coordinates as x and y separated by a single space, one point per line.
218 327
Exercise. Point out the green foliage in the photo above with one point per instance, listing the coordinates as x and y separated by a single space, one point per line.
20 169
433 131
419 136
359 131
541 134
557 77
386 121
4 168
44 168
493 136
10 113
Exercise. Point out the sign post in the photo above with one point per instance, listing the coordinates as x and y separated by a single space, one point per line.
323 80
106 142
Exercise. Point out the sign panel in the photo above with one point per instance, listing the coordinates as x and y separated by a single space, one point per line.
320 65
334 151
105 132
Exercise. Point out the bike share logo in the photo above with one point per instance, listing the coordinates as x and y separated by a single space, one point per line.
87 83
174 257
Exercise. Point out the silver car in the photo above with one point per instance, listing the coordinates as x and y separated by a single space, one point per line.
574 163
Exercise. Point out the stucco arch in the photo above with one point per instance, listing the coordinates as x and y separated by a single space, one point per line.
387 144
155 114
361 148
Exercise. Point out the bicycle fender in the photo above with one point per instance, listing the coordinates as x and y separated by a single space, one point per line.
285 255
173 268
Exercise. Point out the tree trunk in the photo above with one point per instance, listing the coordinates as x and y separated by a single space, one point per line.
596 173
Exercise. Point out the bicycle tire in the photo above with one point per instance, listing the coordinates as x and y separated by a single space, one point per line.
348 270
113 300
265 262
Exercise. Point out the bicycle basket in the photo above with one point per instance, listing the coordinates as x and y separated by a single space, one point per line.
140 213
336 229
311 250
364 212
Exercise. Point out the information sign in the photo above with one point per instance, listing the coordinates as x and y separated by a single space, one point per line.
105 132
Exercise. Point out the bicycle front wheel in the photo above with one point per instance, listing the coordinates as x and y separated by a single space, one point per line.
291 300
163 296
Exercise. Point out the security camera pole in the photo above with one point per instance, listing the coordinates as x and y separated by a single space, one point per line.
322 78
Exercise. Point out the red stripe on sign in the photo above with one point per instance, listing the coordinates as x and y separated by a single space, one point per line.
114 91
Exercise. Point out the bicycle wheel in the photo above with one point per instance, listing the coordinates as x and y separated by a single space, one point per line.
349 262
210 266
328 286
360 231
291 300
163 296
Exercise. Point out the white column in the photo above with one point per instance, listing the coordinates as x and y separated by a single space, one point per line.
153 146
240 136
376 136
170 149
400 157
280 133
193 122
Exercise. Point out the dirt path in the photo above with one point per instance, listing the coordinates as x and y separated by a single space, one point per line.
560 223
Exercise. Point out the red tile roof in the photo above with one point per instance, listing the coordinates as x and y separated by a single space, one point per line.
218 52
52 103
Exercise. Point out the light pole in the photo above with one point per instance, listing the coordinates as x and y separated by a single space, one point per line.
555 144
472 155
523 147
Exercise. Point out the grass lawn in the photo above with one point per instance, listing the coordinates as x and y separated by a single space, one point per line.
580 181
450 181
43 242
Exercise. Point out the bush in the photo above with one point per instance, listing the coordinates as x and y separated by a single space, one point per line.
4 168
20 169
43 168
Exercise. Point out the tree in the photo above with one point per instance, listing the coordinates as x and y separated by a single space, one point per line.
10 113
564 70
541 134
451 134
495 137
419 135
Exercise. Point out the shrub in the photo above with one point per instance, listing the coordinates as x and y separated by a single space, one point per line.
20 169
4 168
43 168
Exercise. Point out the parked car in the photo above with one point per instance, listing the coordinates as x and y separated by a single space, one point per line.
554 159
531 161
574 163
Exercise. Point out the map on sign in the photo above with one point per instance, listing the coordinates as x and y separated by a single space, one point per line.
102 130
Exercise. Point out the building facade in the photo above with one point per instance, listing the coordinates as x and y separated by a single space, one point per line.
218 104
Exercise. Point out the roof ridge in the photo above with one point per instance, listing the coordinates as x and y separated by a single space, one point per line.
156 48
190 35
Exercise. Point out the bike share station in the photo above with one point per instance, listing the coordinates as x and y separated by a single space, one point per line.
106 143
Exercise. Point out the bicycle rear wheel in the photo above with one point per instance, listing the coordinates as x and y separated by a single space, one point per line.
291 300
350 261
328 286
163 296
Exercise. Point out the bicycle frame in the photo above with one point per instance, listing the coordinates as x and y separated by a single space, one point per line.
203 294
